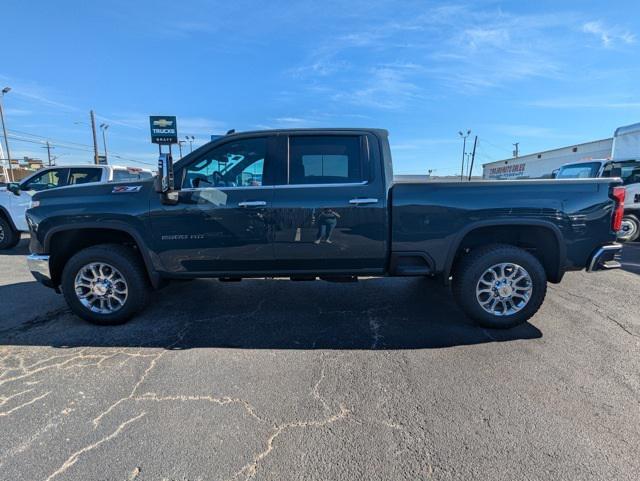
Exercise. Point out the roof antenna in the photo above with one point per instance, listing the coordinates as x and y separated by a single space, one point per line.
232 131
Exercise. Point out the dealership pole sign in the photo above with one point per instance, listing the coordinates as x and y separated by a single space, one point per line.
164 130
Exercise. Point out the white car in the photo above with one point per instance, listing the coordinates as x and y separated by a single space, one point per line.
629 172
15 198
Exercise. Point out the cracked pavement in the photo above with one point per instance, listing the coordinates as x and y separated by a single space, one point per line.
277 380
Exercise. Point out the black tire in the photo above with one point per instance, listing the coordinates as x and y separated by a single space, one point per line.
472 266
9 238
130 266
634 231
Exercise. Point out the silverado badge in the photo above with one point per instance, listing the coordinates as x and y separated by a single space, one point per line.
126 189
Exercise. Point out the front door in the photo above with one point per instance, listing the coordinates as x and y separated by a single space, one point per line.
48 179
222 222
330 216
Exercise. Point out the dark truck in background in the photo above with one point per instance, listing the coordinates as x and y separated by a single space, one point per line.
310 204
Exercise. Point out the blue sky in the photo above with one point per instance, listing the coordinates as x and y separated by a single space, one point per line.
544 73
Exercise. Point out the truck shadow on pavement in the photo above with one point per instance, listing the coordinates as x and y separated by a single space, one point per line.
22 249
388 314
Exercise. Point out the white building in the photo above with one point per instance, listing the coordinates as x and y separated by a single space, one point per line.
542 164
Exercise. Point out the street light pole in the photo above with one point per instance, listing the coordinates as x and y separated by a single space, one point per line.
104 128
464 150
190 140
4 130
180 142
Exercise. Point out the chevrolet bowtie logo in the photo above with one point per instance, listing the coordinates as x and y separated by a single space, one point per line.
162 123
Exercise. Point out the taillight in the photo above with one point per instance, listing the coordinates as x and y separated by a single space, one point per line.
618 211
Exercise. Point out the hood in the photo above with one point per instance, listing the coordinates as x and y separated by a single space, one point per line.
95 189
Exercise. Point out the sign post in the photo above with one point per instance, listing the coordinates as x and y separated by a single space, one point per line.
164 131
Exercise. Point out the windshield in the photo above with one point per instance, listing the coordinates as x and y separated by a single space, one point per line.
588 170
628 171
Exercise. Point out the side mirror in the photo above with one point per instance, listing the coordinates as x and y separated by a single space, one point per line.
164 183
14 187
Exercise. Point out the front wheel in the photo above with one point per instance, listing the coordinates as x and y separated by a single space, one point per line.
630 230
105 284
9 238
499 286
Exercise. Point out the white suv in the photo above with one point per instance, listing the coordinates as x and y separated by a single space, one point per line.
16 197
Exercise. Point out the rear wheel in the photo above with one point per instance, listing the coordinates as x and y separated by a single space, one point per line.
105 284
630 230
499 286
9 238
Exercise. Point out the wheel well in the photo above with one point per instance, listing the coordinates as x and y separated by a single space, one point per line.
63 245
5 216
539 241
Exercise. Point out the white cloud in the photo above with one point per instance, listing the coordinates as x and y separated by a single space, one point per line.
609 36
385 88
585 103
463 48
530 131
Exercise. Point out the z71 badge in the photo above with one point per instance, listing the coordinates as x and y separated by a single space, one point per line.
126 189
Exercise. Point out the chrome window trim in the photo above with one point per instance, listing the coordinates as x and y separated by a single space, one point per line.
279 186
240 187
346 184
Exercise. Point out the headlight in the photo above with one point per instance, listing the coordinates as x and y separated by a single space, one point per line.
34 203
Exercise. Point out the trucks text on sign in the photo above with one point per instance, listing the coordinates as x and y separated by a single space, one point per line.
164 129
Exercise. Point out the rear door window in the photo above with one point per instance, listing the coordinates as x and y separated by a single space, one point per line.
84 175
325 159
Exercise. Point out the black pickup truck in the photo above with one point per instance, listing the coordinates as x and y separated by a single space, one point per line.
318 203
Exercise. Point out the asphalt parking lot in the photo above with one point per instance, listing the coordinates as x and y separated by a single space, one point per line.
383 379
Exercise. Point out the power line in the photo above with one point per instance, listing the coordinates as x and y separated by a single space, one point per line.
69 145
495 146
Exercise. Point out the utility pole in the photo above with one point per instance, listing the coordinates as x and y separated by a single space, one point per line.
464 150
517 151
473 156
4 130
104 128
48 147
95 137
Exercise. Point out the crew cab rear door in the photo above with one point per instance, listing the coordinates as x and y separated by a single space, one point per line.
329 209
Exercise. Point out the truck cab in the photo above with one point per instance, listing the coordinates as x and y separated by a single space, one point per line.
626 169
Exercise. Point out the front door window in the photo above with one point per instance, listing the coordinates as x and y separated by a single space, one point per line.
235 164
46 180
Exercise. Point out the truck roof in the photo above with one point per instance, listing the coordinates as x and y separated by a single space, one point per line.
322 130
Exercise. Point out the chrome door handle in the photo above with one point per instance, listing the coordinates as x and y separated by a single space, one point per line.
252 203
363 201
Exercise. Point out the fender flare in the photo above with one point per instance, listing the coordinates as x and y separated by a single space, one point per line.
515 222
154 276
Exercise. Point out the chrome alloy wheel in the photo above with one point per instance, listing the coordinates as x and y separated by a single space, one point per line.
504 289
627 230
1 234
101 288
